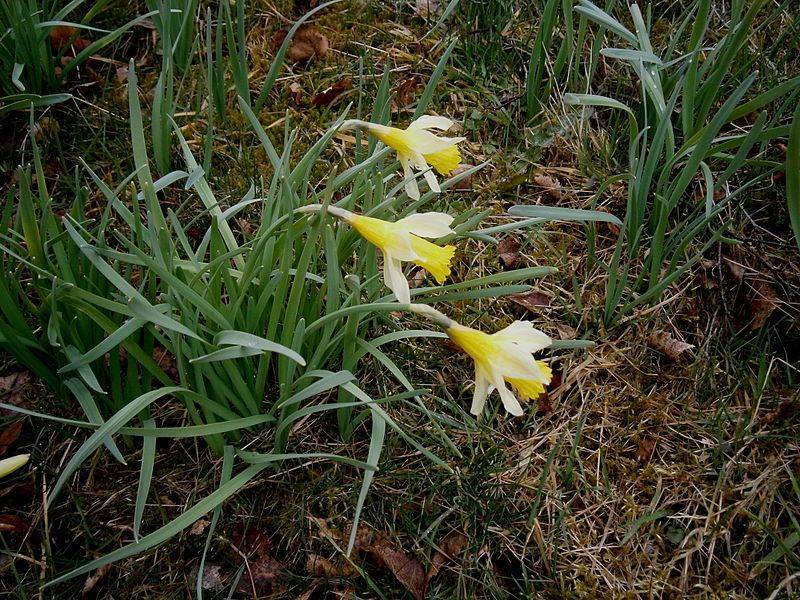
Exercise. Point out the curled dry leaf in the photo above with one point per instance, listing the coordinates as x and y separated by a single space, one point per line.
9 435
406 569
213 578
734 268
668 345
762 300
12 391
565 332
645 449
199 527
319 566
532 301
508 253
329 95
93 579
296 91
449 548
62 36
405 91
427 8
307 42
263 574
464 185
550 184
12 524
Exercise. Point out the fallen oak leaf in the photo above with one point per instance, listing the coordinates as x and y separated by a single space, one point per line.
296 91
508 252
450 547
306 43
551 184
465 184
532 301
405 95
762 300
327 96
62 36
12 389
9 435
668 345
645 450
319 566
93 579
12 524
263 574
407 570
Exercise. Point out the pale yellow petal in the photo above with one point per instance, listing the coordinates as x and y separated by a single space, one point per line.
445 160
434 259
9 465
481 392
429 225
431 122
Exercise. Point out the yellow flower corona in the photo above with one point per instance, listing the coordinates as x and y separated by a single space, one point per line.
403 241
417 145
505 356
9 465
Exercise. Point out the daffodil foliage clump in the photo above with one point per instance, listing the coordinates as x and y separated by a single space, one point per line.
254 329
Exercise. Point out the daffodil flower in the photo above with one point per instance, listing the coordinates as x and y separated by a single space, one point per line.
402 241
418 146
9 465
504 356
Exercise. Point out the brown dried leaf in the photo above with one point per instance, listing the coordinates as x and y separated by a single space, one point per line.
213 578
427 8
199 527
310 591
734 268
263 574
329 95
46 128
532 301
61 35
508 252
9 435
551 184
12 524
464 185
668 345
332 536
406 569
762 301
93 579
645 449
405 91
449 549
319 566
306 43
417 278
296 91
167 361
565 332
12 388
262 577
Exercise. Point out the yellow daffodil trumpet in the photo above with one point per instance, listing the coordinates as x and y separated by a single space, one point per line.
504 356
9 465
418 146
403 241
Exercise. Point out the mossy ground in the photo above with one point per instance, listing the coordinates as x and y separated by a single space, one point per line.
639 477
